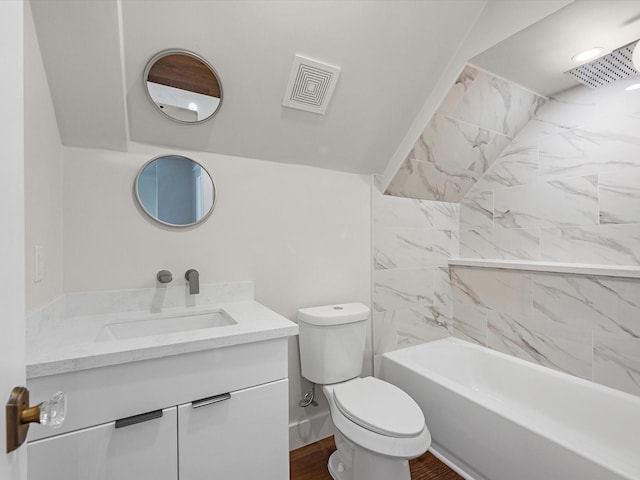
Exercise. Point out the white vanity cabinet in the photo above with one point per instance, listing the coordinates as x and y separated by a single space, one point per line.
145 450
224 416
239 436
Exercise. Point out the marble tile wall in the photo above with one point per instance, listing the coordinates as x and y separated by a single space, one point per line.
566 189
477 120
588 326
568 185
412 242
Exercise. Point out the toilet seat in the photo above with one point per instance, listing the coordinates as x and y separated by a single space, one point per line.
391 446
379 407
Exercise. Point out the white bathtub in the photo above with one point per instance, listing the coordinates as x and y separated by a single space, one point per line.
495 417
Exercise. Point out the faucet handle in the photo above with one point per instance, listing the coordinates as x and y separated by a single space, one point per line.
193 278
164 276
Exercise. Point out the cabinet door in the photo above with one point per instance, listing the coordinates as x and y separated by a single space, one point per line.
139 451
240 437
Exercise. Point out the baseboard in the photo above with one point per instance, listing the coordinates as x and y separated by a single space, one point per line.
310 429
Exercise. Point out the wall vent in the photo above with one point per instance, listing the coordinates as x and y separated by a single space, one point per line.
311 84
606 69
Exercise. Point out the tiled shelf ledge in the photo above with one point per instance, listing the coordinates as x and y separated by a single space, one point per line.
553 267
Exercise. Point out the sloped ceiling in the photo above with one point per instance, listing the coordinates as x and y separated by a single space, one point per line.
81 53
537 56
392 54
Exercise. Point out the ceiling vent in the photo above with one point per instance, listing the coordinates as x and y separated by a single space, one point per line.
311 84
607 69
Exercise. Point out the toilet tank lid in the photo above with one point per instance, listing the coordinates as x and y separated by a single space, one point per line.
334 314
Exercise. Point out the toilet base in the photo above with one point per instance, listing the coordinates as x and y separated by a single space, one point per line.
336 467
352 462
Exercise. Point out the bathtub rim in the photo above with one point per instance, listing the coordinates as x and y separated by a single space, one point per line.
519 361
624 468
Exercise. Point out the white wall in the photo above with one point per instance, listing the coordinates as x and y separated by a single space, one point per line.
301 234
43 175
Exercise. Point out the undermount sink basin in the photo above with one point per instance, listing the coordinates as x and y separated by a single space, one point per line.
159 326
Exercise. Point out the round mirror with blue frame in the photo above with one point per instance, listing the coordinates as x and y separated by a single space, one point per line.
175 191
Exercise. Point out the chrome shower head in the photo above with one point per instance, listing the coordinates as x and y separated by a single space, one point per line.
616 65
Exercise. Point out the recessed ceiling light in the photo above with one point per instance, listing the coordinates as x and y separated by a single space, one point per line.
635 86
588 54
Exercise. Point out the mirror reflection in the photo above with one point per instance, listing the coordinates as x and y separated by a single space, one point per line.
183 86
175 191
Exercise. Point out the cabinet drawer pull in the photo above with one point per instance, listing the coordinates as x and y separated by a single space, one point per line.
143 417
210 400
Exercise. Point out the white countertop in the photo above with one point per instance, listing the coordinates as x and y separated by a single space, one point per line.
70 344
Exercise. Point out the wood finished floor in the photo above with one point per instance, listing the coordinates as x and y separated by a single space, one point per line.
310 463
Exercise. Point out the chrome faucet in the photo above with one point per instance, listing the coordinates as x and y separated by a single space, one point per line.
193 277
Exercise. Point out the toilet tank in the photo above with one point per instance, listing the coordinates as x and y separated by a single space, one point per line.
332 340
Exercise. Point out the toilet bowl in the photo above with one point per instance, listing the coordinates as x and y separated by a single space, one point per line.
379 427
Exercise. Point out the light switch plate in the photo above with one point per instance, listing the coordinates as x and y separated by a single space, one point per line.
38 263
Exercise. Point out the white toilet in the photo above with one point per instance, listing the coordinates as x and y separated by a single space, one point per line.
378 426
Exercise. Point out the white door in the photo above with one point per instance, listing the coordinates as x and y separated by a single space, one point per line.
12 307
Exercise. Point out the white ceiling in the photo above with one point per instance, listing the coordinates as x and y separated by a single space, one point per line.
392 54
538 56
81 53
